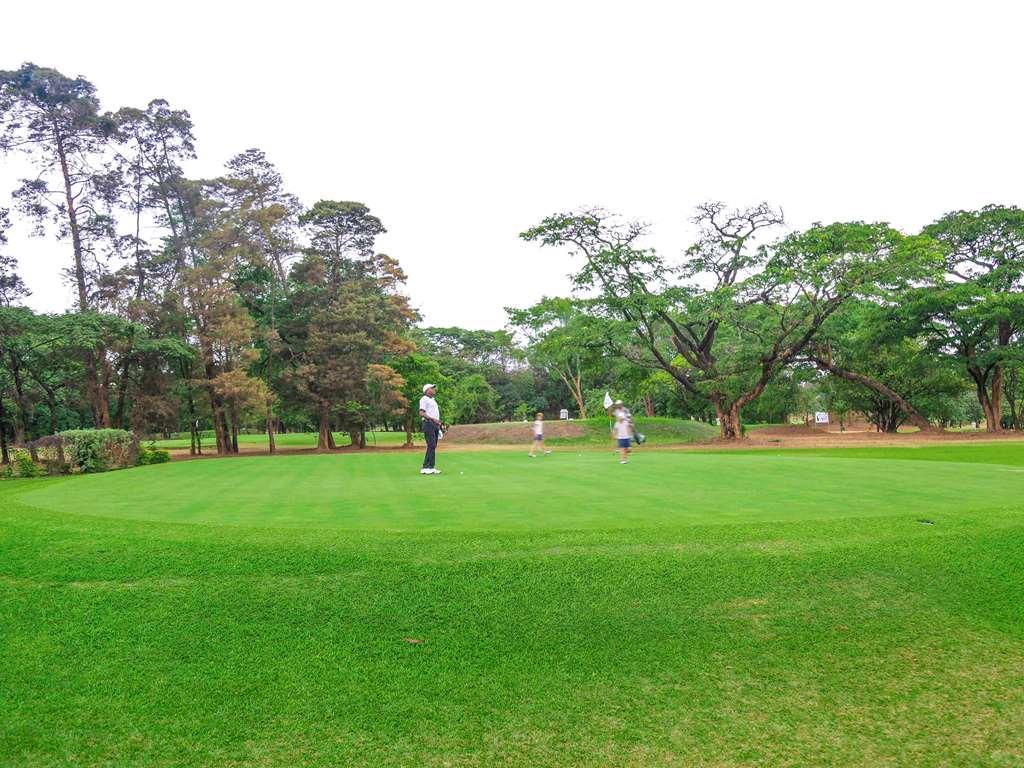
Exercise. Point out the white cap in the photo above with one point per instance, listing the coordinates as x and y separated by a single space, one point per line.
618 402
428 386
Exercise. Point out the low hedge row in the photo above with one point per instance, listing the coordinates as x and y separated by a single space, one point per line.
81 451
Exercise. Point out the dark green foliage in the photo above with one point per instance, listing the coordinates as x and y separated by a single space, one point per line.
471 401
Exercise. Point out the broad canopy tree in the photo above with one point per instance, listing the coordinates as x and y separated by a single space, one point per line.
881 369
736 311
975 312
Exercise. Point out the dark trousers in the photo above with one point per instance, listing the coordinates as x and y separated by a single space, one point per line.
430 434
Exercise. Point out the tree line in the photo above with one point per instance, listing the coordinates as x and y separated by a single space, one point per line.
921 328
225 304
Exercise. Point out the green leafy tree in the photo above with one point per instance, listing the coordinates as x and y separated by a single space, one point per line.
976 313
263 218
12 287
563 341
725 322
345 311
472 400
890 375
56 120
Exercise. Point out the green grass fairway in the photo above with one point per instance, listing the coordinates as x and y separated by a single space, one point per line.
288 440
790 608
658 430
1010 453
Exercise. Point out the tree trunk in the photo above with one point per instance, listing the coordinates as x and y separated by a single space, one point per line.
1010 383
76 235
271 444
195 445
97 399
574 384
1005 332
232 415
5 456
24 405
889 418
122 392
51 401
996 398
913 415
728 419
648 405
408 430
325 438
987 406
219 430
220 424
578 394
100 409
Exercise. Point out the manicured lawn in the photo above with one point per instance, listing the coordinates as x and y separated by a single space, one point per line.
1002 452
289 440
686 609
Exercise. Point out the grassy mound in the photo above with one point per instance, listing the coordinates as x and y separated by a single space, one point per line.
685 609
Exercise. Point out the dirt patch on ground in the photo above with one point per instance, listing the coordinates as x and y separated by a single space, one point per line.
786 430
511 433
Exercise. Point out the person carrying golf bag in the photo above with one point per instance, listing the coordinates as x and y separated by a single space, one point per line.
624 431
432 431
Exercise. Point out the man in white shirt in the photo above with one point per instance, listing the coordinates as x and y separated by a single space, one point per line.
431 416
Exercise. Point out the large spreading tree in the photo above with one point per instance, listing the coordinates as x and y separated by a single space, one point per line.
736 311
975 313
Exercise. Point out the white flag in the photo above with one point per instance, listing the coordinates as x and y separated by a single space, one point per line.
607 400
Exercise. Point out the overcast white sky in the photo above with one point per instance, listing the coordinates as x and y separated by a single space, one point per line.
462 123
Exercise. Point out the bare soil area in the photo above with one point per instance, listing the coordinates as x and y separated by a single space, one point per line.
511 433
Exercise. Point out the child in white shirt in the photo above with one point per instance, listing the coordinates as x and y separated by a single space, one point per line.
538 435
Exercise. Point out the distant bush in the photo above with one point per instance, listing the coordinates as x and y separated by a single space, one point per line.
99 450
150 454
22 465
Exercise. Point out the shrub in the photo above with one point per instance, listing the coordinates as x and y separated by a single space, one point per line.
98 450
48 452
23 465
150 454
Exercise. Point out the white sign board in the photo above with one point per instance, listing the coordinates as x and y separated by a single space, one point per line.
564 413
821 417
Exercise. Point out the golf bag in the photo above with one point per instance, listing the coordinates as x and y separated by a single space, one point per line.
638 437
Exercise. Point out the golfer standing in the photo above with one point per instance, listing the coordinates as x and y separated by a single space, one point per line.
431 416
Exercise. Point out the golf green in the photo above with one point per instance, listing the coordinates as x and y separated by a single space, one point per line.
687 609
504 490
